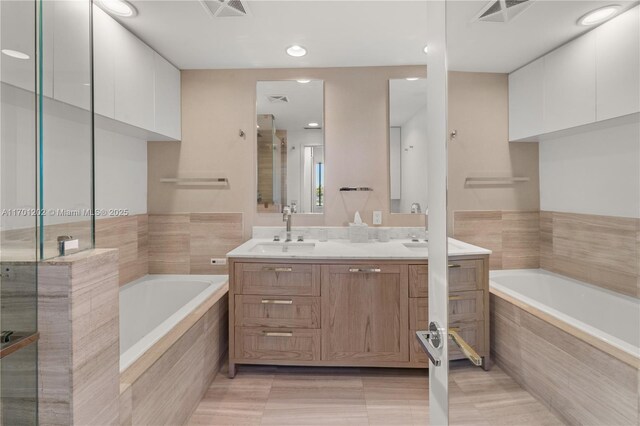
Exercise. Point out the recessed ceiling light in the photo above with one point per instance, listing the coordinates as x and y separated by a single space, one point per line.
303 81
119 7
598 15
411 78
296 51
313 124
426 49
15 54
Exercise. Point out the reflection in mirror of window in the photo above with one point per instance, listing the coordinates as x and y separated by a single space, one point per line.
408 145
290 139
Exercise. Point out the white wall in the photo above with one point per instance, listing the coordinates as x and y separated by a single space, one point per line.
593 172
121 172
414 162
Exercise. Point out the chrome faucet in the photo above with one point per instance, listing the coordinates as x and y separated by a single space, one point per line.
286 217
415 208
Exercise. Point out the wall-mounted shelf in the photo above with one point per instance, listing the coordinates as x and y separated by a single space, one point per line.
355 188
495 180
203 181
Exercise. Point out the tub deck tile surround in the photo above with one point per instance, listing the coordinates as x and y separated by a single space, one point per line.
185 243
601 250
513 236
78 349
579 382
166 383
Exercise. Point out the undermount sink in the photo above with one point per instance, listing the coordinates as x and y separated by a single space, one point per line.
275 247
416 246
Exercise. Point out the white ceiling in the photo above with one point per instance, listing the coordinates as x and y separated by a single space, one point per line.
305 103
406 97
352 33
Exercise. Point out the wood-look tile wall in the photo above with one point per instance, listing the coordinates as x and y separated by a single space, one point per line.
185 243
78 351
513 236
601 250
128 234
581 384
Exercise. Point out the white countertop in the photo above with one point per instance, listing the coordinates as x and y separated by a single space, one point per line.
344 249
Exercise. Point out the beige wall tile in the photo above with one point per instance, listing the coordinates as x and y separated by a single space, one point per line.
169 244
482 228
213 235
520 240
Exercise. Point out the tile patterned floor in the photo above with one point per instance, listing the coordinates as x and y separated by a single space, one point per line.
364 396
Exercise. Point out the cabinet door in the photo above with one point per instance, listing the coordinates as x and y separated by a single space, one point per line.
569 84
364 313
134 81
167 98
72 53
618 65
526 101
104 28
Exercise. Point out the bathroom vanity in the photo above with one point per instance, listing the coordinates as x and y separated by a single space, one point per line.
341 304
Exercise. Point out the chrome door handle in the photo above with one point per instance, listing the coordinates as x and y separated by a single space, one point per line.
431 340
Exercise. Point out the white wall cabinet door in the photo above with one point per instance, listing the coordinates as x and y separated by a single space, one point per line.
618 66
526 101
134 80
104 28
72 53
167 98
569 84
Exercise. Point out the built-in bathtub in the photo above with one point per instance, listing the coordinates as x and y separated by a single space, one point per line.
173 337
573 345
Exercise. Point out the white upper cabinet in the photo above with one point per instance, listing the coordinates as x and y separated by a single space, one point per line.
167 98
569 85
134 80
104 29
72 53
618 66
526 101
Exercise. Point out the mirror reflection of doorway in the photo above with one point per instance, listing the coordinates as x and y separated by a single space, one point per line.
313 179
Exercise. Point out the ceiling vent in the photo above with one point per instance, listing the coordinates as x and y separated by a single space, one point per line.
502 10
225 8
278 99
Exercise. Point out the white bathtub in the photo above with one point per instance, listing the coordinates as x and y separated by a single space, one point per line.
609 317
154 304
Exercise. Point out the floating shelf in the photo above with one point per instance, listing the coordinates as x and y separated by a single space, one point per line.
196 181
355 188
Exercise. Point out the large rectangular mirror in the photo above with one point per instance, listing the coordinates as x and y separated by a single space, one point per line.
408 145
291 167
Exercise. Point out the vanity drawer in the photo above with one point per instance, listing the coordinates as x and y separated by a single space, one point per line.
278 311
472 333
273 344
277 279
465 275
463 306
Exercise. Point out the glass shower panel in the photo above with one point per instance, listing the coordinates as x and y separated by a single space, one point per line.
18 270
66 138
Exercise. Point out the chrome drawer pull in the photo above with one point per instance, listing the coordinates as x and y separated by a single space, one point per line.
276 302
455 297
277 269
454 265
365 270
277 333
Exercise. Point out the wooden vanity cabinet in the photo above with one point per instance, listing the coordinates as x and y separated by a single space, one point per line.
348 313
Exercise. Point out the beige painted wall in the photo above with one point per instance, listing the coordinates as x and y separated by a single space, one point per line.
216 104
479 112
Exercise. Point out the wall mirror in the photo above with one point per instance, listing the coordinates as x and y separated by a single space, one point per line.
408 145
291 166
